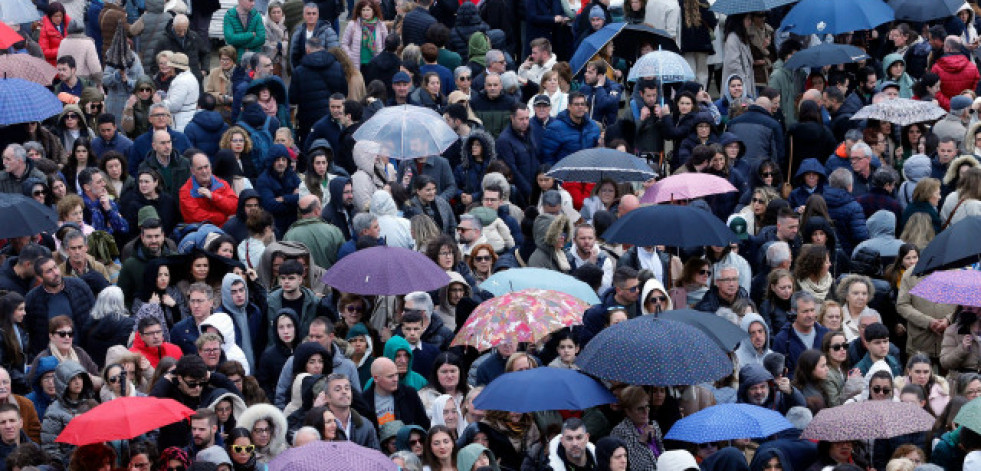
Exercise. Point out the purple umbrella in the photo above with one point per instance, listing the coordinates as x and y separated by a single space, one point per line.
958 287
332 456
385 270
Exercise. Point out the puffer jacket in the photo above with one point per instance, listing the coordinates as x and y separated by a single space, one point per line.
318 76
370 176
277 421
800 194
761 134
226 328
957 73
394 229
248 37
915 169
468 21
848 216
182 99
298 40
563 137
150 28
520 153
470 173
50 38
62 411
205 130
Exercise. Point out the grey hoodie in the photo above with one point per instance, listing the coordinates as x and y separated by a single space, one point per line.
746 353
915 168
240 316
882 234
396 230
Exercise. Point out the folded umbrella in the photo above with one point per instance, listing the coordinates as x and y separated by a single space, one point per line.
542 389
332 456
686 186
674 226
387 271
901 111
597 163
868 420
118 55
123 418
955 247
407 131
27 67
825 54
23 101
517 279
958 287
725 334
24 216
924 10
835 16
528 315
724 422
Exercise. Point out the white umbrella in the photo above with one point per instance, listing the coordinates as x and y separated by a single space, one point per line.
901 111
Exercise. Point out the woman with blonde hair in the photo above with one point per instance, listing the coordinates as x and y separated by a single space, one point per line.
355 81
918 231
968 197
550 87
753 212
237 140
926 197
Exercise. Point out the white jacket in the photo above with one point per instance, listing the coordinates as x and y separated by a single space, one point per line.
182 98
223 322
554 462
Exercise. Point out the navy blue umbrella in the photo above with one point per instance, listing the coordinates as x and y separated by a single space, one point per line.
955 247
735 7
541 389
23 216
674 226
592 44
826 54
725 334
728 422
835 16
597 163
924 10
654 352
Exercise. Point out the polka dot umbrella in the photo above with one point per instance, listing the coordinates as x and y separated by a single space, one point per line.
868 420
654 352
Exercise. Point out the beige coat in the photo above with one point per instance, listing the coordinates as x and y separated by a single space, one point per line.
954 357
918 313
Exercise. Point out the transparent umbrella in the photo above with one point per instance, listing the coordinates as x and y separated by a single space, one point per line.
406 132
16 12
667 66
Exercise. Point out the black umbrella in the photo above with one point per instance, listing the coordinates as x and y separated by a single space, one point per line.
118 54
23 216
955 247
726 334
674 226
924 10
627 43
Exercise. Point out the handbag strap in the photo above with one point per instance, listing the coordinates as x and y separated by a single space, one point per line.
951 216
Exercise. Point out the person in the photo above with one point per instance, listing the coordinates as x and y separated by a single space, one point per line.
268 430
569 132
640 434
876 337
391 400
855 291
956 71
841 383
356 427
56 294
757 386
17 169
757 346
738 53
801 334
205 197
74 388
724 292
243 28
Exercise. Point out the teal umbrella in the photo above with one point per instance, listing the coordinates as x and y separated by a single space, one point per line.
517 279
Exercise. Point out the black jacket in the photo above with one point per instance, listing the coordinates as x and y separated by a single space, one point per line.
9 281
235 225
468 21
334 213
382 67
80 298
179 433
104 333
711 302
18 377
318 76
414 26
132 200
408 406
194 47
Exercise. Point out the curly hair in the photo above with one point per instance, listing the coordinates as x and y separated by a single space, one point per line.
226 139
846 283
810 262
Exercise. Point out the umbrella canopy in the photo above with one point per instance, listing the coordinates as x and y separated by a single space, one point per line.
654 352
385 270
23 216
826 54
725 334
955 247
970 416
901 111
868 420
118 54
123 418
686 186
628 42
728 422
735 7
597 163
332 456
18 12
593 44
958 287
677 226
666 66
921 11
835 16
8 37
523 316
24 102
517 279
407 132
27 67
541 389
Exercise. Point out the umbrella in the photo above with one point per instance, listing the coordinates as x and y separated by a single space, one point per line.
517 279
18 12
23 216
593 44
959 287
725 334
970 416
735 7
923 11
385 270
667 66
118 54
686 186
835 16
654 352
955 247
868 420
541 389
8 36
27 67
332 456
677 226
123 418
901 111
523 316
24 102
597 163
407 132
627 44
728 422
826 54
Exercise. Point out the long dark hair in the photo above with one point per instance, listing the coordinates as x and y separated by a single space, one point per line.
449 358
734 24
536 192
11 345
804 373
896 270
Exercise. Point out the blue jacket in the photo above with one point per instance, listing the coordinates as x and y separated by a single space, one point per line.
318 76
143 145
849 218
520 153
563 137
205 131
184 334
791 346
271 186
799 196
761 134
119 143
603 101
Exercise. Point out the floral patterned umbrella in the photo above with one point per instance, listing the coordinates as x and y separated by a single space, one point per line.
958 287
522 316
868 420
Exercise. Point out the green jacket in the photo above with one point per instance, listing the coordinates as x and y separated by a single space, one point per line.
323 240
789 83
310 302
905 81
179 169
947 454
244 38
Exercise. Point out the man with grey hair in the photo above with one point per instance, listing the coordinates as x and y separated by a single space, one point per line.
363 225
724 292
305 435
418 320
178 37
496 64
322 238
469 234
861 155
17 168
801 334
552 202
311 27
847 214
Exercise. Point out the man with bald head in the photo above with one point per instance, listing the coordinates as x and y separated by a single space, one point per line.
322 238
174 169
627 204
817 97
762 135
205 197
390 400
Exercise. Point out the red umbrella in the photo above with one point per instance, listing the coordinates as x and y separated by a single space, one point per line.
122 419
8 36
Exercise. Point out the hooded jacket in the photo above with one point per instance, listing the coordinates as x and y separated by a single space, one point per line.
226 329
235 225
761 458
848 216
957 73
798 197
915 168
761 134
336 212
723 103
60 412
547 231
37 396
563 137
791 346
469 173
556 454
205 130
746 353
317 77
882 235
394 229
290 250
753 374
151 29
277 421
252 339
370 176
904 81
276 354
651 285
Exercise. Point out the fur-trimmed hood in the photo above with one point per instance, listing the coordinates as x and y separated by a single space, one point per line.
951 174
277 443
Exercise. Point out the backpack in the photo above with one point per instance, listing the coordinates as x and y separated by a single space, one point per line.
262 141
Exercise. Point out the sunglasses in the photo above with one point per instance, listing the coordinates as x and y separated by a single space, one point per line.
243 448
767 174
39 193
415 441
759 200
145 90
705 272
466 78
881 389
117 378
657 299
353 308
65 333
71 116
838 346
194 384
482 258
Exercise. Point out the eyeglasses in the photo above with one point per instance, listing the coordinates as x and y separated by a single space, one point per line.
728 280
482 258
193 384
65 333
446 254
462 230
882 389
153 333
705 272
159 115
838 346
97 106
210 351
243 448
261 431
767 174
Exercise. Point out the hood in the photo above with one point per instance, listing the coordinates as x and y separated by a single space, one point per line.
955 164
495 178
811 165
725 92
146 81
325 145
749 375
402 436
64 373
559 225
467 15
225 166
918 167
467 456
382 204
27 187
477 47
155 6
336 189
291 249
396 343
296 321
888 61
214 454
486 216
651 285
238 405
498 39
954 64
210 121
44 365
89 95
880 365
726 459
276 419
882 224
969 142
364 153
816 223
729 137
762 457
226 328
486 141
275 85
542 224
455 278
318 60
226 291
253 116
966 7
307 383
242 198
71 108
748 321
306 350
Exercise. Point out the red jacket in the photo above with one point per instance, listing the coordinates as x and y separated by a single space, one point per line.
957 73
217 209
50 38
155 354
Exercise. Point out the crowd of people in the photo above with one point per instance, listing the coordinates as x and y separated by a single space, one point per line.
200 205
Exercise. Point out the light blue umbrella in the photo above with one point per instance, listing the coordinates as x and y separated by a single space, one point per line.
728 422
517 279
836 16
16 12
735 7
24 102
407 131
666 66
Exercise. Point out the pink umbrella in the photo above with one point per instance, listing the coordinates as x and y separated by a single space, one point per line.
958 287
686 186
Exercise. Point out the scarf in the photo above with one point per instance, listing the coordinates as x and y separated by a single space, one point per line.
368 34
61 358
820 289
270 107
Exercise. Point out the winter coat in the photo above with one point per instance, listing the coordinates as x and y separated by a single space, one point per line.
274 358
298 41
468 22
520 153
336 212
62 411
698 39
739 61
154 355
50 38
366 179
205 130
109 19
393 228
106 332
226 328
957 73
150 28
661 14
37 397
800 194
722 104
277 422
761 134
968 208
882 235
493 112
309 310
178 434
318 76
470 173
547 231
438 168
322 239
790 83
182 99
80 298
244 37
915 169
118 91
82 48
414 206
745 352
563 137
603 101
791 346
415 24
918 313
272 185
904 81
217 209
848 217
351 41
